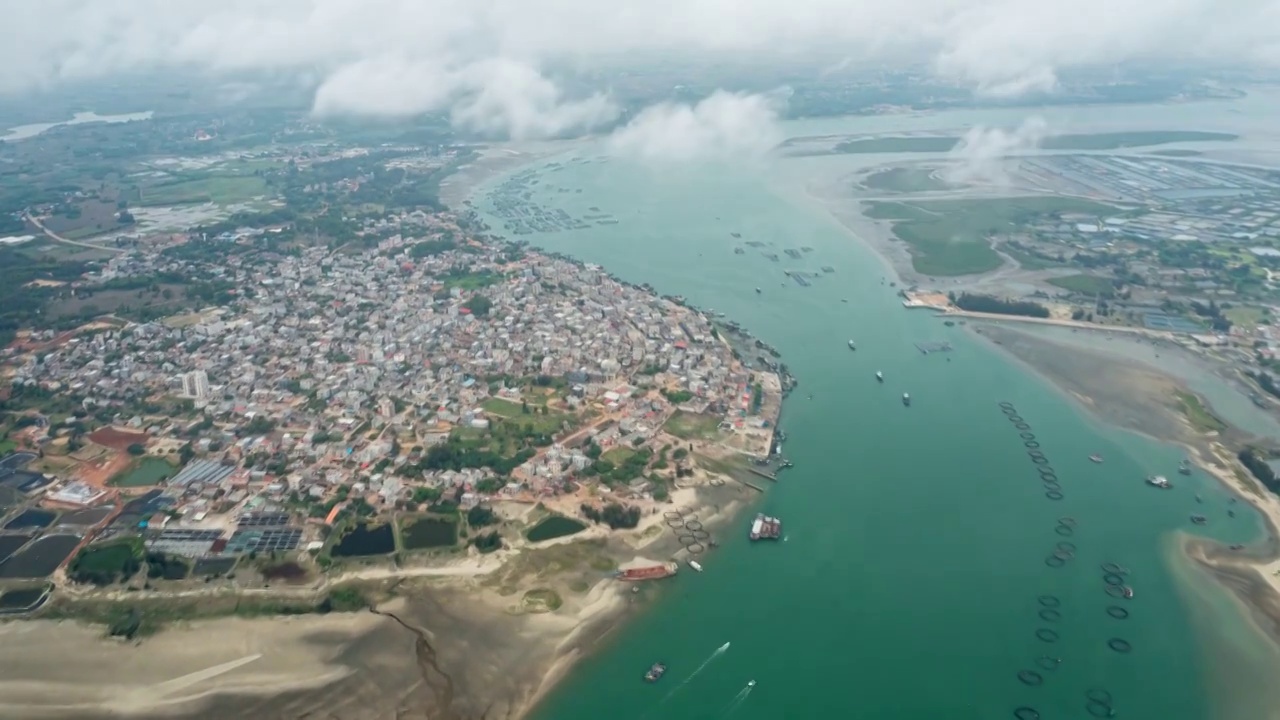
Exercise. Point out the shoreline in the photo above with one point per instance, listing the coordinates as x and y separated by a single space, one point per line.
1135 402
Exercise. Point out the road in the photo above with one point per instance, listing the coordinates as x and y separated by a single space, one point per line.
58 238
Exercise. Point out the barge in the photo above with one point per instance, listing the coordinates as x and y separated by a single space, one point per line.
651 572
766 528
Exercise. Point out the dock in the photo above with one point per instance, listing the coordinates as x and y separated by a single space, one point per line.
763 474
927 348
752 485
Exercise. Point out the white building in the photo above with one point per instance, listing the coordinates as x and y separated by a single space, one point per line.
195 384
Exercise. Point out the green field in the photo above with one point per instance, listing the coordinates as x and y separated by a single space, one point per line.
691 426
1245 317
1197 414
144 473
905 180
1093 141
952 237
218 189
618 455
502 408
1085 284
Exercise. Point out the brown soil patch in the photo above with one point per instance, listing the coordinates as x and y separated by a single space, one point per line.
99 472
117 439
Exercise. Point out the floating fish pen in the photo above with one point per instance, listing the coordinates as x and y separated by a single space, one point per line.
933 347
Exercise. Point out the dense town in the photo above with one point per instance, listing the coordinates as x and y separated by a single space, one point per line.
426 371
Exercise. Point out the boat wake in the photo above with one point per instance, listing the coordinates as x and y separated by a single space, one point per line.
718 652
737 700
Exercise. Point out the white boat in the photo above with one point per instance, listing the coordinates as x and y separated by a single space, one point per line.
694 564
879 376
751 683
906 399
1159 481
852 346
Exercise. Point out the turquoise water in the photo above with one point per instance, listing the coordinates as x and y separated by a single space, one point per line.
916 537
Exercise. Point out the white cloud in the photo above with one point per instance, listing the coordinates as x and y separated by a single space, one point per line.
388 57
980 154
724 126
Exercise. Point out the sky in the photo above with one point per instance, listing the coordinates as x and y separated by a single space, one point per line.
485 62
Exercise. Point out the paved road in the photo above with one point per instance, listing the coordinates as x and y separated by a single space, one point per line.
54 236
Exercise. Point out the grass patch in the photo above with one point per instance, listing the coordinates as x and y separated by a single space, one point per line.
618 455
502 408
1199 416
472 280
1246 317
1085 284
541 600
953 237
904 180
692 426
1027 261
218 189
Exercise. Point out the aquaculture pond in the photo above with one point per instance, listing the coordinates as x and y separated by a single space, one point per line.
554 526
40 558
365 539
31 519
428 532
213 567
9 544
22 600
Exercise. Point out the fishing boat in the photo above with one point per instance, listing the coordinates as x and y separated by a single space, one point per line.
694 564
1095 458
751 683
758 290
765 528
1128 593
879 376
906 399
1184 468
852 346
653 572
1159 481
655 672
1199 519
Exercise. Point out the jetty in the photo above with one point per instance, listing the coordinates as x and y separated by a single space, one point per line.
763 474
927 348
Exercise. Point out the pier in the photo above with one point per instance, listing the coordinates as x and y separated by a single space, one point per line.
752 485
763 474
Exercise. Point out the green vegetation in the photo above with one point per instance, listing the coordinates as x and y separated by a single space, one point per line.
677 397
1092 141
479 516
144 473
553 526
629 466
614 515
487 542
501 407
217 189
1000 306
541 600
466 280
905 180
692 426
952 237
1197 414
1086 284
21 303
1246 317
1256 461
108 563
166 567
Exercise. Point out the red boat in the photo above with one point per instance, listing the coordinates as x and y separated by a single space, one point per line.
653 572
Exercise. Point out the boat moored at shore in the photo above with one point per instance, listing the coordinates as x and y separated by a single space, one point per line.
651 572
